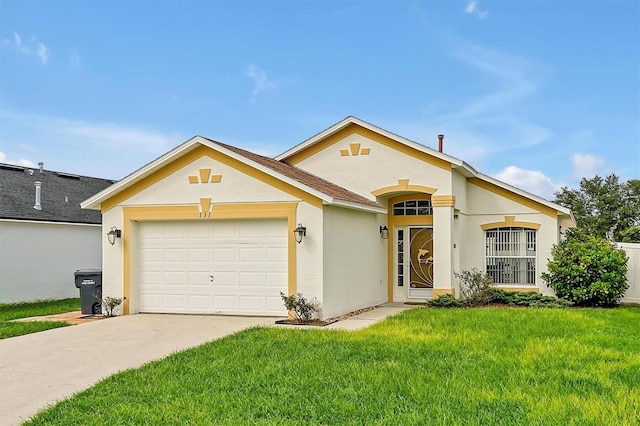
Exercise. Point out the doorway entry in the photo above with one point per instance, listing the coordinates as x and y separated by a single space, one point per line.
414 262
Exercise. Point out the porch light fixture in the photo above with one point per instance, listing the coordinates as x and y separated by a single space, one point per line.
113 234
300 232
384 232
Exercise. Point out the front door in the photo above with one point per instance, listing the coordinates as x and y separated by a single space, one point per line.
415 261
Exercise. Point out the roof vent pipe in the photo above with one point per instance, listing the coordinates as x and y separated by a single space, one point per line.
38 195
41 165
440 142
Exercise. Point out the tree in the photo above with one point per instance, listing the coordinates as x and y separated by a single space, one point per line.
605 207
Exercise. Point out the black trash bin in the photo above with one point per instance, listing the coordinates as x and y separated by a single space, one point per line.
89 281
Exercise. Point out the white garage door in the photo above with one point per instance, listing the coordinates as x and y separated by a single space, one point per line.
215 267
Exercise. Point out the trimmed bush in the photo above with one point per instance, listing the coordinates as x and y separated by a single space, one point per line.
446 301
530 299
587 270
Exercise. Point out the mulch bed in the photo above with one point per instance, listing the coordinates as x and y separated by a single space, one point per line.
318 323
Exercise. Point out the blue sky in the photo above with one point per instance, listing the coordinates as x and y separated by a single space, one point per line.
536 93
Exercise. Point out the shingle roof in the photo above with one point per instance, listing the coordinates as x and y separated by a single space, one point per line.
61 195
305 178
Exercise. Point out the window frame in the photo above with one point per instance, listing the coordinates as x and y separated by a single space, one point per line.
511 255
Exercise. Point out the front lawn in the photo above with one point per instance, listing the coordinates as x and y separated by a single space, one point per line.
424 366
11 311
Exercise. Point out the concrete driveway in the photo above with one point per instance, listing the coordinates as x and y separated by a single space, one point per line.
39 369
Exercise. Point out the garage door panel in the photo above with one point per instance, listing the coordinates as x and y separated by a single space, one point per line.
223 303
276 255
173 278
174 301
251 303
200 302
150 255
247 258
250 254
276 279
199 255
251 279
224 254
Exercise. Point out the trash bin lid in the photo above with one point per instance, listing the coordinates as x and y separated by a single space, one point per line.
81 272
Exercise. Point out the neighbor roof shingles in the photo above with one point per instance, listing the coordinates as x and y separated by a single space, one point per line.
17 195
305 178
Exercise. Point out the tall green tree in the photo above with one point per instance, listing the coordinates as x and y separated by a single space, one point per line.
605 207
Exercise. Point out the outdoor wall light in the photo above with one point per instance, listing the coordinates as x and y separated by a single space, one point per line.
113 234
384 232
300 232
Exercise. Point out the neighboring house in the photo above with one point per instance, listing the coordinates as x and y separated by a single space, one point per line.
210 228
44 234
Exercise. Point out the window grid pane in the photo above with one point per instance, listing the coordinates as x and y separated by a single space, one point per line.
413 208
511 256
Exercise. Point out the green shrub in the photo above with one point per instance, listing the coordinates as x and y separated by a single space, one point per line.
587 270
530 298
475 287
446 301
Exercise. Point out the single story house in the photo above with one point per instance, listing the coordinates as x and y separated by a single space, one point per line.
44 234
354 216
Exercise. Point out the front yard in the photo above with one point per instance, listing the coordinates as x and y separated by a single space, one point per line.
424 366
12 311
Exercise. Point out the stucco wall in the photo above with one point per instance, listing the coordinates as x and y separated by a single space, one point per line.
112 260
382 167
632 295
484 207
37 259
234 187
355 259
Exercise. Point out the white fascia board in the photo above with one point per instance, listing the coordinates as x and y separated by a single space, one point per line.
357 206
95 201
525 194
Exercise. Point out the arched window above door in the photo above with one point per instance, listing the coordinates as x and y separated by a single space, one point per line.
413 208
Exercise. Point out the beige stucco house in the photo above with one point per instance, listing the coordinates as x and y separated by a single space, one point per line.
210 228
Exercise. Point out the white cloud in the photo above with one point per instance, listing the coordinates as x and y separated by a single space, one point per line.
586 165
74 59
531 181
43 52
261 82
104 136
20 162
473 9
31 47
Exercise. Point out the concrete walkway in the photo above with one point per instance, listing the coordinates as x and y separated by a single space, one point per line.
40 369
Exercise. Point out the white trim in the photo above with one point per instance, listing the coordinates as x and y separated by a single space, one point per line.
357 206
47 222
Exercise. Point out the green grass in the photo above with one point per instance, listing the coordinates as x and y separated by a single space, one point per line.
13 311
424 366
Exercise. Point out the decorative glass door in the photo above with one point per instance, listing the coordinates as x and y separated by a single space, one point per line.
420 262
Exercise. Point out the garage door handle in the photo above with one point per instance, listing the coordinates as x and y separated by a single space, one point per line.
211 278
